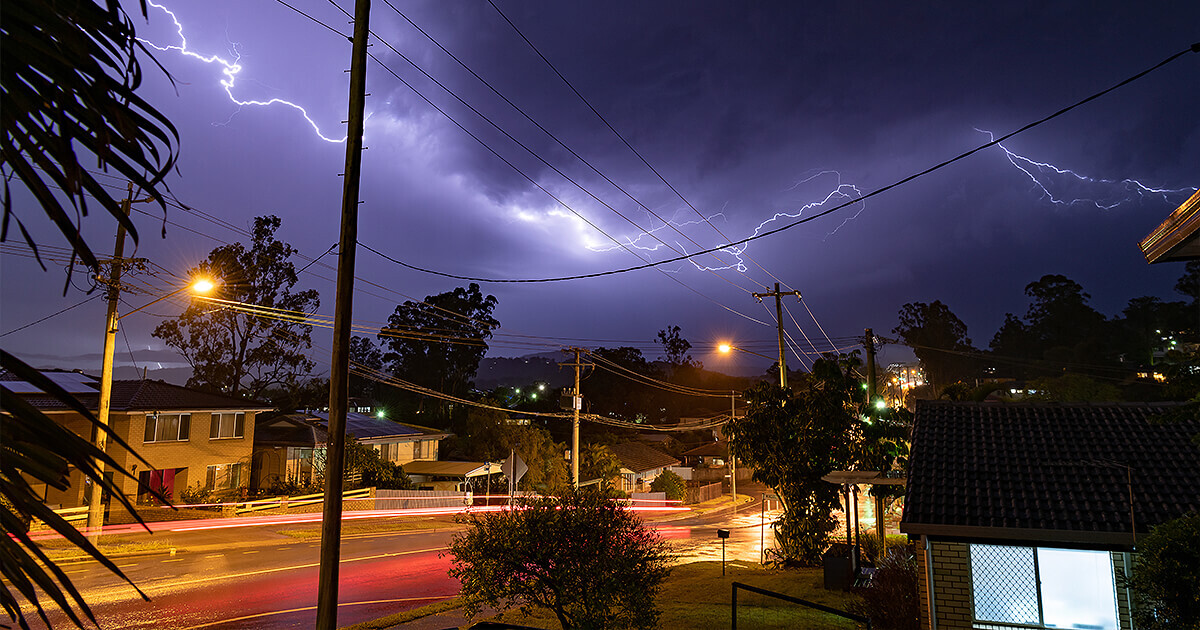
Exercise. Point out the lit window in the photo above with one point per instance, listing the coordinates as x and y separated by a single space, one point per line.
227 425
167 427
223 477
1043 588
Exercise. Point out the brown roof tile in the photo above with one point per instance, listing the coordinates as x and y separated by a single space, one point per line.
1048 467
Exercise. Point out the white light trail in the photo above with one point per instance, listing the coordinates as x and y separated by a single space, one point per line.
230 70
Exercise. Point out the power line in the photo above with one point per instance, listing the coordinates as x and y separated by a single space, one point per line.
51 315
565 146
861 198
534 182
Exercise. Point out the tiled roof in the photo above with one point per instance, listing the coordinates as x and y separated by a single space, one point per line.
709 449
640 457
146 395
1049 472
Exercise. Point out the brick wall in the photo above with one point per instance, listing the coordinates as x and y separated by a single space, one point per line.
1123 595
194 455
951 587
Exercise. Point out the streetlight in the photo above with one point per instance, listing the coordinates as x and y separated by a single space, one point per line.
726 348
95 521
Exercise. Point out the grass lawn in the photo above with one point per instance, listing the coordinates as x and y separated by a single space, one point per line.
696 595
60 548
372 526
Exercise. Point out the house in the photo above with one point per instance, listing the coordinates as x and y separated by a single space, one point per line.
641 464
291 447
1176 238
190 438
707 455
1024 512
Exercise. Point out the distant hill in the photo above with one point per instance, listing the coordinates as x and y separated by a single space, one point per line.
518 371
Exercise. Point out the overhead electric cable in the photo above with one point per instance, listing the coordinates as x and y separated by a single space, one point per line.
623 140
877 191
35 323
560 143
543 189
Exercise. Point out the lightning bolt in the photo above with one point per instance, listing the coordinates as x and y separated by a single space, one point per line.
1104 194
230 70
842 191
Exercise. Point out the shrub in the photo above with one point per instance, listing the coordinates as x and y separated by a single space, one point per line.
1165 574
580 555
670 483
892 600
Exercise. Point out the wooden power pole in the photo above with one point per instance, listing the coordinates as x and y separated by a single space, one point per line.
339 370
779 320
576 405
95 517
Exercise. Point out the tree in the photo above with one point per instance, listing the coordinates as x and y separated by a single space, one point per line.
603 570
371 469
938 338
793 438
609 392
672 484
363 353
438 344
491 436
597 461
1166 571
1062 324
675 347
241 349
68 98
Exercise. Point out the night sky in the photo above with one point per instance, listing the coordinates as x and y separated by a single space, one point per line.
748 110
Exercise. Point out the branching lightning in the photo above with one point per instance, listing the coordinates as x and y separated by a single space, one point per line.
230 70
842 191
1104 194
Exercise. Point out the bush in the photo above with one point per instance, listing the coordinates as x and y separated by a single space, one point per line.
1165 574
873 550
892 601
580 555
196 494
672 484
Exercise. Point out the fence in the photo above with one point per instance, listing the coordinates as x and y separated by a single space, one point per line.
700 494
793 600
352 500
418 499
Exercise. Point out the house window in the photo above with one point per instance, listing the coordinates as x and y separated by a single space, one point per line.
1043 588
389 452
419 449
227 425
223 477
167 427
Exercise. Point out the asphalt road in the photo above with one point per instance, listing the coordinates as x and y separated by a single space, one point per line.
254 577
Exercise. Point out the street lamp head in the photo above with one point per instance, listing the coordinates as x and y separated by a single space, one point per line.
202 285
724 348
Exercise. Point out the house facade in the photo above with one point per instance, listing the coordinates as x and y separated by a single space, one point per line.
291 447
1024 513
641 464
190 438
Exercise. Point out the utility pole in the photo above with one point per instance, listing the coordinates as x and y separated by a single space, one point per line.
880 514
95 519
339 371
732 458
869 345
576 405
779 320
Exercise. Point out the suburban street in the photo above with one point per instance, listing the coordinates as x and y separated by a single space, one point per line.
256 577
